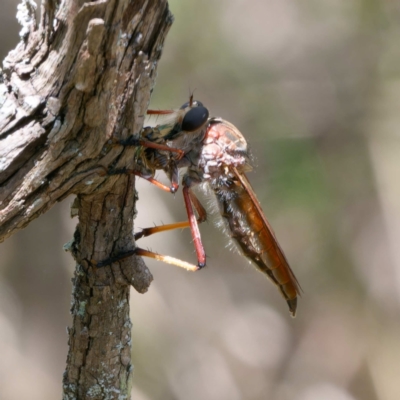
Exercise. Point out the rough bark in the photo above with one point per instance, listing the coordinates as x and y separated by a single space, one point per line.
78 78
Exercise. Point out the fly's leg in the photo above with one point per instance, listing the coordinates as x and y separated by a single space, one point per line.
126 171
167 259
161 228
136 142
171 189
146 253
202 216
158 146
189 180
190 201
173 169
201 212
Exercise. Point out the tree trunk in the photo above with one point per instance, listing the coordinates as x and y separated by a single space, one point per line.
80 77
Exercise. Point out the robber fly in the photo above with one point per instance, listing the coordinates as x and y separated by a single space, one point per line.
215 153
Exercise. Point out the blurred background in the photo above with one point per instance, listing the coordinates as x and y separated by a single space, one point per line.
315 88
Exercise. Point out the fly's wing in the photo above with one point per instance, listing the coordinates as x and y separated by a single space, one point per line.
162 122
256 238
178 128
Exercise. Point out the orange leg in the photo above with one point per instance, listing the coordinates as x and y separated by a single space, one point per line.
201 212
151 145
167 259
160 112
202 216
136 142
194 226
145 143
163 228
190 201
146 253
124 171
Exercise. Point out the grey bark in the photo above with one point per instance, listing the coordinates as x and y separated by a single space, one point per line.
78 78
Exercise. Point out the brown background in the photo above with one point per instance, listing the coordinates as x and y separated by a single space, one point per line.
315 88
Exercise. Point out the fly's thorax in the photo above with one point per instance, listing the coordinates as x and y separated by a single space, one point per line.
223 147
189 142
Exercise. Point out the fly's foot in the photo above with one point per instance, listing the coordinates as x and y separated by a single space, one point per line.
120 171
200 266
130 141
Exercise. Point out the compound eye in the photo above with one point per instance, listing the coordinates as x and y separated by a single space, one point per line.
186 105
194 119
194 104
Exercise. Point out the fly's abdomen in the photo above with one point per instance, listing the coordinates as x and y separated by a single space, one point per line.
255 237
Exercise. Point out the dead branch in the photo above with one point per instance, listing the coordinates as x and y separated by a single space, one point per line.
78 78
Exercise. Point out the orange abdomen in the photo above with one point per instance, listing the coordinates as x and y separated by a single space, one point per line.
250 229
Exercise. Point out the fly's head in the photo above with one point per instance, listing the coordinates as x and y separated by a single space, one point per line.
188 133
195 115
